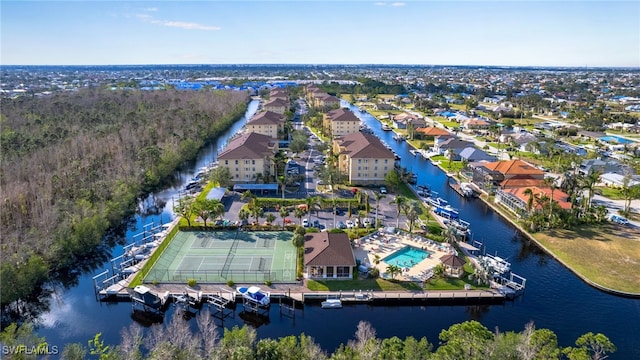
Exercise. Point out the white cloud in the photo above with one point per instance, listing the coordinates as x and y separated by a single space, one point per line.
177 24
151 9
185 25
379 3
397 4
394 4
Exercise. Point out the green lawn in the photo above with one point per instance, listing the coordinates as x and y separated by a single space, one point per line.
611 193
450 167
365 284
607 254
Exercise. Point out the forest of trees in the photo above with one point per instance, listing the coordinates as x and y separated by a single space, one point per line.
73 165
177 340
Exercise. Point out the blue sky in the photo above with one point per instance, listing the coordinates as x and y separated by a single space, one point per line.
513 33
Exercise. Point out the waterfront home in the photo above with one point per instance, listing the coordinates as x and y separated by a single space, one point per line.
363 158
516 200
267 123
326 101
248 157
618 180
506 174
442 145
472 154
277 105
341 122
402 121
328 256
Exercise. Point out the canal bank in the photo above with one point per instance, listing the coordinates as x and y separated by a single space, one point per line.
486 199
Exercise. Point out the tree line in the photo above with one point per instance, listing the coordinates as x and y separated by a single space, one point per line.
73 165
176 340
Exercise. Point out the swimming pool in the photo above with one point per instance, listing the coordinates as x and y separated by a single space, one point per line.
619 140
407 257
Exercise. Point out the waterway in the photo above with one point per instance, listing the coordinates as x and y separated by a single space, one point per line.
554 298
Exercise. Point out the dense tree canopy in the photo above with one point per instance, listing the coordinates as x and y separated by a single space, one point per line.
74 163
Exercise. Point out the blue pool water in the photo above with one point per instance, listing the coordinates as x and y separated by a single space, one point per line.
406 257
617 139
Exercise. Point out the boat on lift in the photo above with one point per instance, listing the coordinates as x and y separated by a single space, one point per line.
255 295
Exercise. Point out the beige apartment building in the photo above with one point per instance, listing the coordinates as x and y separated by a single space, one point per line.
340 122
363 158
248 157
277 105
267 123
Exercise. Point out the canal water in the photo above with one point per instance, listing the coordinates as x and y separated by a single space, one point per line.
554 298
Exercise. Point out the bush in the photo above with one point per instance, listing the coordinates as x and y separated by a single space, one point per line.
267 282
192 282
230 283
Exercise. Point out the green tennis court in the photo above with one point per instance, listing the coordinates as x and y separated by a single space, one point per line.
220 256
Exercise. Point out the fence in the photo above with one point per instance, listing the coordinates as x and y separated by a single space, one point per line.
217 276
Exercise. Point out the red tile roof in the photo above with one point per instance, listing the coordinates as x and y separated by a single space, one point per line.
433 131
514 167
559 196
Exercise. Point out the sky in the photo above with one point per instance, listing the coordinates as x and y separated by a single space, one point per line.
421 32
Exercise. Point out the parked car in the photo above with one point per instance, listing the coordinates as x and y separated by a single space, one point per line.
342 225
350 224
316 223
305 222
619 219
383 190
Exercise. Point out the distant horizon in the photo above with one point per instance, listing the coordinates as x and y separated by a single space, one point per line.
596 34
326 65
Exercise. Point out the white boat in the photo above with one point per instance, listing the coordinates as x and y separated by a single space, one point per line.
467 189
332 304
255 295
386 127
497 264
143 295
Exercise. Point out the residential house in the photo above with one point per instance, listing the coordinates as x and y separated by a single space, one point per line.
341 122
475 124
516 200
472 154
618 180
267 123
402 121
604 166
328 256
279 93
248 157
506 174
446 145
277 105
363 158
383 106
431 131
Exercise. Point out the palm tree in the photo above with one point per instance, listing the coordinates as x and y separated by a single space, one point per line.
551 184
378 197
393 270
270 218
412 210
257 213
400 201
243 214
528 192
284 212
589 183
299 212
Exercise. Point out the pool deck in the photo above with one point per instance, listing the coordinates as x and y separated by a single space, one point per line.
384 244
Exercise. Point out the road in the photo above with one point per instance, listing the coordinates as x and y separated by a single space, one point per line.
614 205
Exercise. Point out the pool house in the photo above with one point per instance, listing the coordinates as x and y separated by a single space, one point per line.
328 256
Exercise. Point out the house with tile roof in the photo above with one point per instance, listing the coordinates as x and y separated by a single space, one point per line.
328 256
442 145
433 131
516 200
267 123
277 105
248 157
363 158
507 174
340 122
